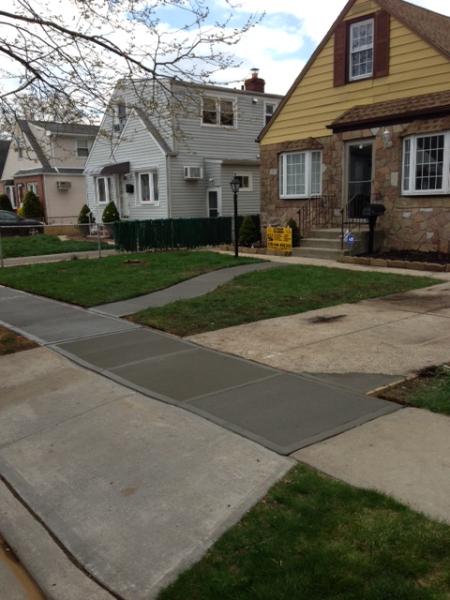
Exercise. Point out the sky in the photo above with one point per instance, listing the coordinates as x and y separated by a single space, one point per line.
287 36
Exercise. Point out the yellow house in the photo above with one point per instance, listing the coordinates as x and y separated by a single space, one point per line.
366 122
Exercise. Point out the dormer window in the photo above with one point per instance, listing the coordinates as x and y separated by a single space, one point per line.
361 50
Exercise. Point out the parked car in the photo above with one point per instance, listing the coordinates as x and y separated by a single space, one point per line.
12 224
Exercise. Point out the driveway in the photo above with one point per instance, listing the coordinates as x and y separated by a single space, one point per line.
395 335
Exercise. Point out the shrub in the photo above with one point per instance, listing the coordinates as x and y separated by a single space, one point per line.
110 214
5 203
32 207
85 216
248 232
295 232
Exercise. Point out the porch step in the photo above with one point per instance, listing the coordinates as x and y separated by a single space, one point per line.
324 243
322 253
329 234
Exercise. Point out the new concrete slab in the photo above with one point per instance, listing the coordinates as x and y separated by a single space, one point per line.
109 351
405 454
197 286
51 321
134 489
287 412
193 372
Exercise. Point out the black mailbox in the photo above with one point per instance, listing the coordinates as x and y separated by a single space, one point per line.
371 212
129 188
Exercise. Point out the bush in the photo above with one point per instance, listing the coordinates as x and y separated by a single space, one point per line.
85 216
110 214
5 203
295 232
32 207
248 232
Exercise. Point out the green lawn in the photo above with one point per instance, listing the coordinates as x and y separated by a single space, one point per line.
95 281
274 293
36 245
314 538
430 390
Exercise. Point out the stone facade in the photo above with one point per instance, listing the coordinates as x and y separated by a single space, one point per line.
410 222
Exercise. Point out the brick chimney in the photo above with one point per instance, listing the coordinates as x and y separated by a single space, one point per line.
254 84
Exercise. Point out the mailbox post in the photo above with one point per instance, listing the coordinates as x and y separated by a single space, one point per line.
235 185
371 213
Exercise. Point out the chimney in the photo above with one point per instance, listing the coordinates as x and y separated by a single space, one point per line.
254 84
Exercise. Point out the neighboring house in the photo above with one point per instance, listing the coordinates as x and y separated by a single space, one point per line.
368 120
48 158
178 161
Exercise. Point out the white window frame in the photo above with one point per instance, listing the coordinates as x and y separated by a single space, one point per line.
32 187
266 114
219 202
10 191
411 190
308 175
83 144
107 190
249 188
352 51
218 100
151 175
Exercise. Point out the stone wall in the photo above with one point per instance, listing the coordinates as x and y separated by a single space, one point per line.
410 222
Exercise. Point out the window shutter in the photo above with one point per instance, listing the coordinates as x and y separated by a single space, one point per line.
340 55
382 44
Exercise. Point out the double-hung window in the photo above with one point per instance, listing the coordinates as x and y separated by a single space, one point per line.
361 50
148 187
269 109
32 187
218 111
83 147
426 164
301 174
245 182
103 190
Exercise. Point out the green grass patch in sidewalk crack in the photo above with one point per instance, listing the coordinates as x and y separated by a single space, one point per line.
277 292
89 282
315 538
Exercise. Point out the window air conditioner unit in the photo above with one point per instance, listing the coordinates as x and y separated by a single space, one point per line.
193 173
63 186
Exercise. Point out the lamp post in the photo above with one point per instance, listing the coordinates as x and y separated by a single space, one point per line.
235 184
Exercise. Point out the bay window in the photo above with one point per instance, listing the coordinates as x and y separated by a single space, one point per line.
426 165
301 174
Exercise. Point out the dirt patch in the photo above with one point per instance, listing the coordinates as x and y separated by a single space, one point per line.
13 565
12 342
133 262
406 391
326 319
441 258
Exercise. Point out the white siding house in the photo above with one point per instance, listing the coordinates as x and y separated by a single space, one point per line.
177 161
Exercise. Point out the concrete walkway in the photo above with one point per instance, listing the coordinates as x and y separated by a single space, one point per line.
18 261
191 288
232 392
131 489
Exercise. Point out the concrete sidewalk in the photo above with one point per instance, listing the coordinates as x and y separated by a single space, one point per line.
132 489
18 261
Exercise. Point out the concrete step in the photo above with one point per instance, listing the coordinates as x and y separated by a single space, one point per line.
330 234
322 253
325 243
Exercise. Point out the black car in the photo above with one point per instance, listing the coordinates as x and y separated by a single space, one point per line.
12 224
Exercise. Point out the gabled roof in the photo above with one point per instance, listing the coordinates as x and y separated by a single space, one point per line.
393 111
4 147
154 131
67 128
40 154
432 27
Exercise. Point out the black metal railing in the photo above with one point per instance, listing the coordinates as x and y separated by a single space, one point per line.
319 212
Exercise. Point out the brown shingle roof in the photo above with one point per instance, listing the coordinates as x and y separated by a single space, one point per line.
432 26
393 111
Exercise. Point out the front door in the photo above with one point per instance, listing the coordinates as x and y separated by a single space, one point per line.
124 196
359 177
213 202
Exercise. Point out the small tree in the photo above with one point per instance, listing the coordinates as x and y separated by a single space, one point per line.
5 203
110 214
32 207
85 218
248 232
295 232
